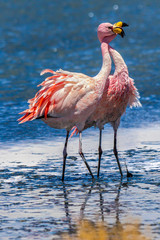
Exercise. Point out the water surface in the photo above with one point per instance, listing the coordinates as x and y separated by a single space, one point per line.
35 204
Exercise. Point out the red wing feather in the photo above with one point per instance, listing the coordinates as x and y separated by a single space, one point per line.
40 104
75 130
47 71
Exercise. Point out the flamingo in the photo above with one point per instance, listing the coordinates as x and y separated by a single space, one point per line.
119 92
67 99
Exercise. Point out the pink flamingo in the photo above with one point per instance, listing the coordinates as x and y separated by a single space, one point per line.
119 92
67 99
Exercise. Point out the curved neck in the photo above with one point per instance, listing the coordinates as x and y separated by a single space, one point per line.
106 64
118 61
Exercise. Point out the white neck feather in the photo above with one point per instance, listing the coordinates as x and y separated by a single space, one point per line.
102 76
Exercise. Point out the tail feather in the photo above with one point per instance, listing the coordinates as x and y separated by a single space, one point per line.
134 98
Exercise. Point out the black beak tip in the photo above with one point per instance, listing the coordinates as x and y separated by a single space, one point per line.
125 25
122 34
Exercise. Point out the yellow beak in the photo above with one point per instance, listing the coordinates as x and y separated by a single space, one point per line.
118 24
117 28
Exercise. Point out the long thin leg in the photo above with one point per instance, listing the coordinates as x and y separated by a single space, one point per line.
116 152
82 155
65 155
100 151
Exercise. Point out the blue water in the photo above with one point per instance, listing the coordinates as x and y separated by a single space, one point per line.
35 35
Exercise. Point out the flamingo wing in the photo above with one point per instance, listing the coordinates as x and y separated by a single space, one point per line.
59 94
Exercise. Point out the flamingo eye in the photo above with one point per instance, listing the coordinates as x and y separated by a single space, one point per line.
110 27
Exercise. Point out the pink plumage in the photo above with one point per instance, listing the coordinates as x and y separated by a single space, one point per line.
68 99
119 92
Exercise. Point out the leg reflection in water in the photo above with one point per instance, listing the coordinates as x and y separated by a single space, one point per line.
105 208
66 208
107 198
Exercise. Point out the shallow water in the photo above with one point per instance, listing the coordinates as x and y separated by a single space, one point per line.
35 204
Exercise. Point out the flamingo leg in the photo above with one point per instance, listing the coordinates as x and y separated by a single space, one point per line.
65 155
100 151
82 155
116 152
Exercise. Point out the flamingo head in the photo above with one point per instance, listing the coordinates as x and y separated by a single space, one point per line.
108 31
